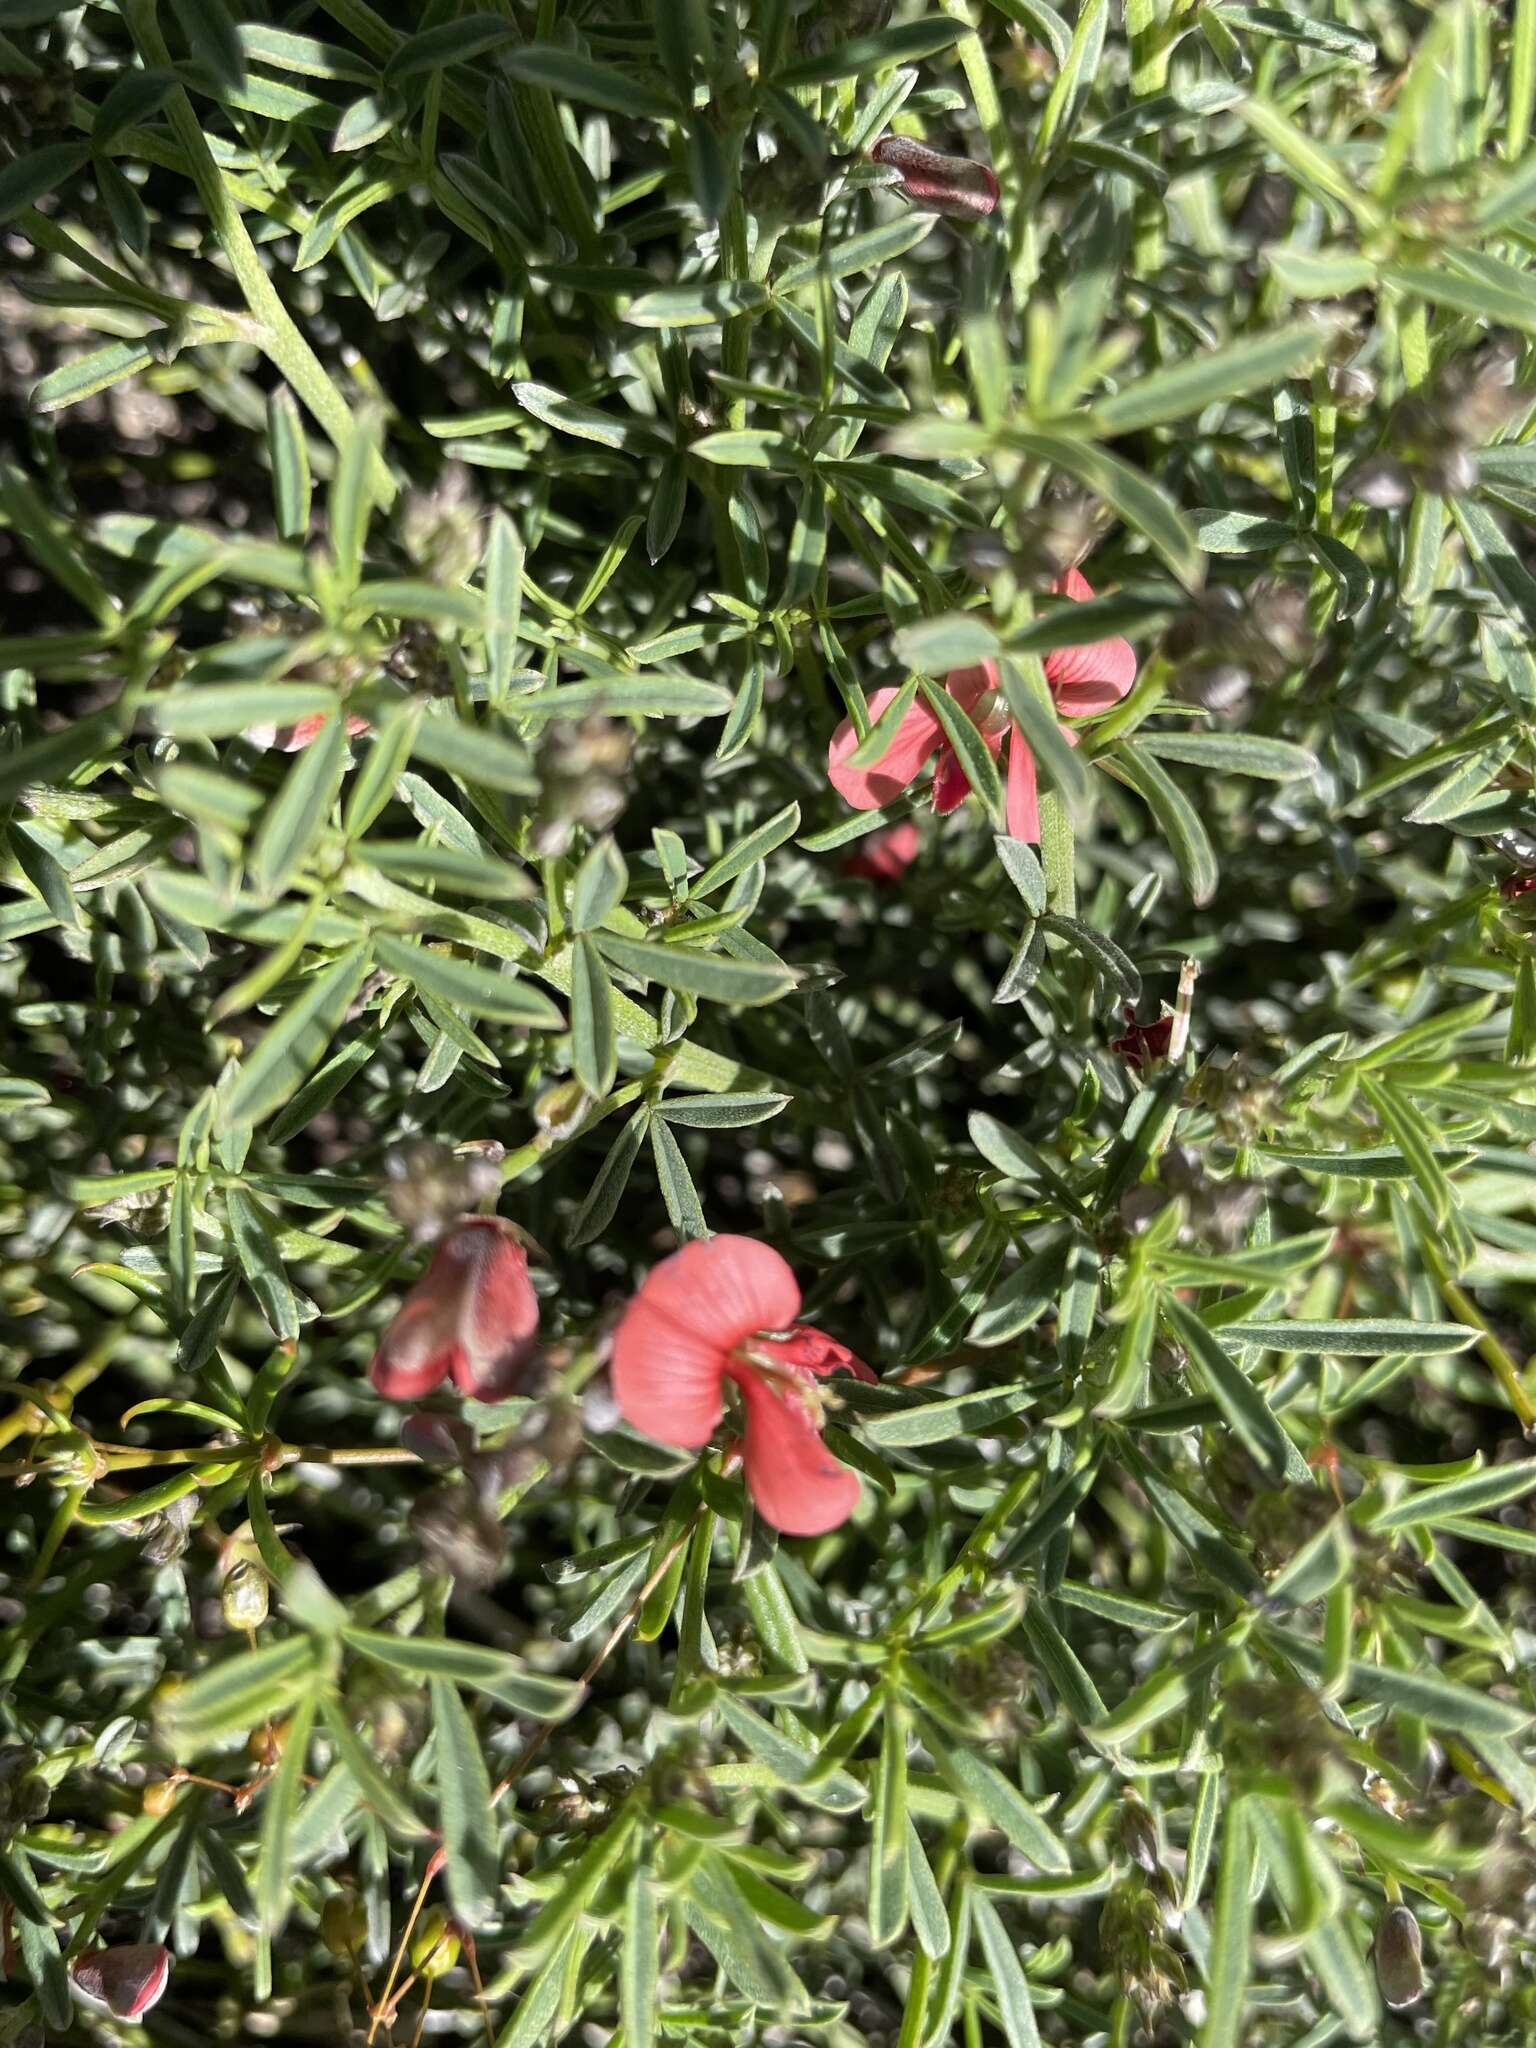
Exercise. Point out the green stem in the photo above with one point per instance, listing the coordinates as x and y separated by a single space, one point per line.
290 353
1505 1371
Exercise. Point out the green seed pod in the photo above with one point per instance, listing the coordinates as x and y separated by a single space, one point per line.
343 1923
436 1947
244 1596
1399 1955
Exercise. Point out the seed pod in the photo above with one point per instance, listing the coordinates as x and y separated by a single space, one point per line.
243 1596
343 1923
937 183
265 1745
1399 1957
159 1797
436 1947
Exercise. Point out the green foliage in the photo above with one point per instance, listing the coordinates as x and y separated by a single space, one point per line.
462 464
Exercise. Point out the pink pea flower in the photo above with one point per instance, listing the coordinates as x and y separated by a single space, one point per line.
472 1314
885 856
127 1980
1144 1043
938 183
721 1309
1085 681
293 739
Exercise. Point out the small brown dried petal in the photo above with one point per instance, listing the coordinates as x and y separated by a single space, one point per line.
1399 1958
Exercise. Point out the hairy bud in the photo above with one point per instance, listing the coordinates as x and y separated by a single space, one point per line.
428 1187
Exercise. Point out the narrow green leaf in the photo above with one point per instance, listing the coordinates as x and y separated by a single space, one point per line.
464 1802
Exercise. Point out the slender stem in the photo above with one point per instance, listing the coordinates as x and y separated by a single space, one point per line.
1505 1371
281 340
27 1418
612 1641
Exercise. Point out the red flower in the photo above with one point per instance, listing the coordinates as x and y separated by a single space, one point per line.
1143 1043
473 1314
292 739
126 1980
724 1309
885 856
1084 682
938 183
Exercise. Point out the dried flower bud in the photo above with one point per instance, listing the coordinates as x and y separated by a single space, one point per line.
243 1597
1138 1832
440 528
435 1949
937 183
1351 389
1452 473
343 1923
127 1980
1266 208
437 1439
1380 481
1399 1958
460 1534
427 1186
583 772
167 1534
1474 396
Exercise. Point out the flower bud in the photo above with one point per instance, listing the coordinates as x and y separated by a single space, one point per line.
1380 481
159 1797
1138 1832
460 1534
435 1949
1351 389
127 1980
937 183
473 1314
437 1439
1399 1958
166 1535
343 1923
427 1185
1451 473
244 1597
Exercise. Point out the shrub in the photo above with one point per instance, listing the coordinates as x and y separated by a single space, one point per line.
505 508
